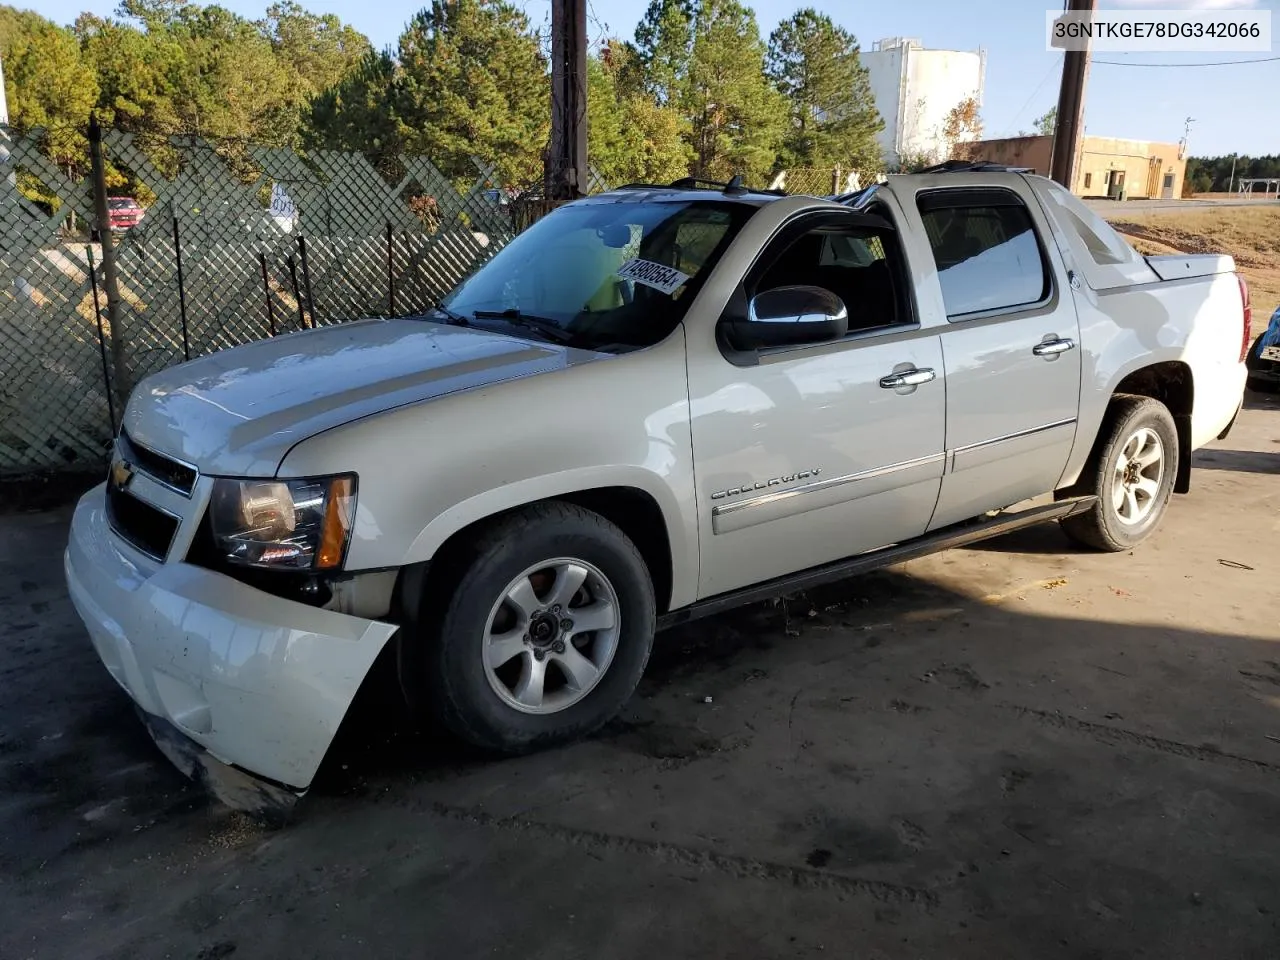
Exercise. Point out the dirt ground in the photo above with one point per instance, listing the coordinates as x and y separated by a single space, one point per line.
1013 750
1250 233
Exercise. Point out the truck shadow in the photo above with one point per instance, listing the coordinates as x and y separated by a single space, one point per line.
1042 539
379 742
1238 461
1261 400
848 624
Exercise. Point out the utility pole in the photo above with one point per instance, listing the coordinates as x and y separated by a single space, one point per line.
566 165
1231 184
1186 136
1070 126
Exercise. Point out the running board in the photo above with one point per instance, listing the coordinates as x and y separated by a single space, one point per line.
957 535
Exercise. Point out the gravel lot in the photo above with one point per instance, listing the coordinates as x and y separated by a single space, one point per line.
1014 750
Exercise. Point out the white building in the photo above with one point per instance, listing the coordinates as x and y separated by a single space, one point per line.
915 89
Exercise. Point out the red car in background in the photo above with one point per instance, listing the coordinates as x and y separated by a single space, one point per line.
124 212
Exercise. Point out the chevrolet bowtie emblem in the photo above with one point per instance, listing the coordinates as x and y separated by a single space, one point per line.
121 472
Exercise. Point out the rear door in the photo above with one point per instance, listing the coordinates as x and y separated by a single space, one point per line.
1010 348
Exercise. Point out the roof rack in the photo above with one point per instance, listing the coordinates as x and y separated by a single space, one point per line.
974 166
734 188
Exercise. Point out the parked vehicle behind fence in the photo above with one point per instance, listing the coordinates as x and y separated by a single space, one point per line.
124 213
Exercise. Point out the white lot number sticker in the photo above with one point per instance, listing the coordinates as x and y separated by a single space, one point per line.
656 275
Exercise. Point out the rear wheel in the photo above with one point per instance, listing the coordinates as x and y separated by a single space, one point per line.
1131 472
543 630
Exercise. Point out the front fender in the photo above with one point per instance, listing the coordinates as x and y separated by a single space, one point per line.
427 470
684 573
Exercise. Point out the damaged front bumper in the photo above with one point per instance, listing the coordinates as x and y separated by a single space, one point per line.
231 681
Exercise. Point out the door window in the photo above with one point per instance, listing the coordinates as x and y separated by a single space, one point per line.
860 264
986 250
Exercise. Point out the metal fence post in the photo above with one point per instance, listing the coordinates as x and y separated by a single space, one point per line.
182 290
102 342
391 276
297 296
306 279
266 292
110 279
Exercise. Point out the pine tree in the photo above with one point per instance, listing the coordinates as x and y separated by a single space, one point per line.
833 116
663 46
47 83
629 136
737 117
355 113
318 50
472 81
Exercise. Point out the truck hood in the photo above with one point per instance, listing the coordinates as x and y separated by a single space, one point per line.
237 412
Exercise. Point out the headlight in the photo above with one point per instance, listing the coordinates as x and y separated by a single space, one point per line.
283 524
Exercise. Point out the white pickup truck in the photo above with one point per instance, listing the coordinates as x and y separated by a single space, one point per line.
652 405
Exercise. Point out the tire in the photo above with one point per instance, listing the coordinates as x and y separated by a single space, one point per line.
536 555
1121 519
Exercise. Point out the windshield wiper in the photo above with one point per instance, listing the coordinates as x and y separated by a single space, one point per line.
453 317
548 328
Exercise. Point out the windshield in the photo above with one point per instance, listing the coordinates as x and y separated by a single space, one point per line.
611 276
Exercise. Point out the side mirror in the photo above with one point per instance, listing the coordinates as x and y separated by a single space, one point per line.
786 316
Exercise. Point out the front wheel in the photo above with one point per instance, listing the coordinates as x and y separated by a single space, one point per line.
1131 472
544 629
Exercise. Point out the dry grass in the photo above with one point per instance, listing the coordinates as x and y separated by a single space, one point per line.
1249 234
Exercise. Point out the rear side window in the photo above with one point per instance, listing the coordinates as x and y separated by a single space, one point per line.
986 251
1105 257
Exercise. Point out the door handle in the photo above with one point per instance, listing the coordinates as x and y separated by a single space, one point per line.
908 378
1051 348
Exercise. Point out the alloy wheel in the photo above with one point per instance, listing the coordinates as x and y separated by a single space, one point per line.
551 636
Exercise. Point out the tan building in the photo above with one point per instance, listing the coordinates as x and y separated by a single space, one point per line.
1107 167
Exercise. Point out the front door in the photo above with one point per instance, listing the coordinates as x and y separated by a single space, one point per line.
818 452
1166 191
1010 347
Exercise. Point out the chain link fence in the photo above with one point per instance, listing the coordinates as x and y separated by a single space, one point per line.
819 181
240 242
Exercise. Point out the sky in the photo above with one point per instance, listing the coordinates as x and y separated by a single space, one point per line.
1234 108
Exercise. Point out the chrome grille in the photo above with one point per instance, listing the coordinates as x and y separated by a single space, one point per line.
177 476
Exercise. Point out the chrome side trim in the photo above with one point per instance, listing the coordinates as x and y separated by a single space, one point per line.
949 456
830 482
1011 436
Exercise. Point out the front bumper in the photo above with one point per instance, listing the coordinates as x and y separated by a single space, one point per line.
259 682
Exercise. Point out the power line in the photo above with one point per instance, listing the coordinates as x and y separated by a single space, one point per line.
1043 80
1214 63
